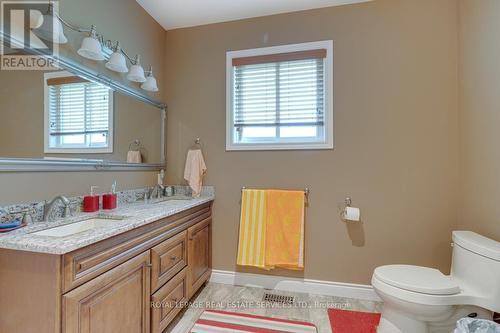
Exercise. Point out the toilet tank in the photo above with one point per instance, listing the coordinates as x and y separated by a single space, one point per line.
476 267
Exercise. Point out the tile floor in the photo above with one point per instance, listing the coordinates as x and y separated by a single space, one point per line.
310 308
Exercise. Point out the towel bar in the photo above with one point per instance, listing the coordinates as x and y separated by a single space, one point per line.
306 192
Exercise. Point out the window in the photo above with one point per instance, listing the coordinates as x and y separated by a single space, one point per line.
78 115
280 97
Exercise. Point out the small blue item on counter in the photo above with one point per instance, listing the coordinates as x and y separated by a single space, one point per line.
14 224
471 325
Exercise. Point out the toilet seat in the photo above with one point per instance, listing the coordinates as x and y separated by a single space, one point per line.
417 279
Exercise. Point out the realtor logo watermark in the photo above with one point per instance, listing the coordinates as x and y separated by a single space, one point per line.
20 47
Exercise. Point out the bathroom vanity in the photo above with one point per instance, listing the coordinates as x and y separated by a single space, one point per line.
134 276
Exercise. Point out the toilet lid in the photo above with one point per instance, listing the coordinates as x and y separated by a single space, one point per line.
417 279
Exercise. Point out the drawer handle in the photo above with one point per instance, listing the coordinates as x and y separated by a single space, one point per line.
173 258
149 265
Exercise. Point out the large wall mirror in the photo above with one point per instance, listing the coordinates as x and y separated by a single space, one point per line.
72 119
59 116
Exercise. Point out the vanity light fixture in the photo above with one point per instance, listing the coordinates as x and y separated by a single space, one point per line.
91 47
150 84
95 47
117 61
136 73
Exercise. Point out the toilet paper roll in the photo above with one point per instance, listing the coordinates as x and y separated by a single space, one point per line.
352 214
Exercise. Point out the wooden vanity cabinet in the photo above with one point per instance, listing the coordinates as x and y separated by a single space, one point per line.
113 286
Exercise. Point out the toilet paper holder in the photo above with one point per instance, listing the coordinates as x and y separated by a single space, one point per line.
344 212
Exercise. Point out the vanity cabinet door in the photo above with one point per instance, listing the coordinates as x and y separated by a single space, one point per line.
199 256
114 302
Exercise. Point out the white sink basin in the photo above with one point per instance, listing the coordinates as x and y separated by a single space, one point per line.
77 227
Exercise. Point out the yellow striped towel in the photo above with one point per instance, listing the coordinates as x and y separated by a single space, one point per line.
252 239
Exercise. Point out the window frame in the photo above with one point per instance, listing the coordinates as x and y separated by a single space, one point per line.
74 150
292 143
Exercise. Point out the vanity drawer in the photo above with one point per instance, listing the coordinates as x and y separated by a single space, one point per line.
168 258
89 262
168 301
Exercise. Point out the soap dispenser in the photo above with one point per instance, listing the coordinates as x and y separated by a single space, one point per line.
91 201
109 199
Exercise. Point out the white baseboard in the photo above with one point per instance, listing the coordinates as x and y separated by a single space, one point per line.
339 289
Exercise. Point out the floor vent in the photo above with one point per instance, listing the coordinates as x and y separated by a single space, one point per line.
274 298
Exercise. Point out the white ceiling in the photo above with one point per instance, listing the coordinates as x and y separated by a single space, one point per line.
172 14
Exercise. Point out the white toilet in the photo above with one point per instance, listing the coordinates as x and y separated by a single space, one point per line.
421 300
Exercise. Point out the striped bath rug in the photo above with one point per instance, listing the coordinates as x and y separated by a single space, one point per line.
212 321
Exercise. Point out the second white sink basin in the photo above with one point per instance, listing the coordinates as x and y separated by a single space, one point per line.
77 227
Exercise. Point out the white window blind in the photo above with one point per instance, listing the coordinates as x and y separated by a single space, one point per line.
288 93
79 115
280 100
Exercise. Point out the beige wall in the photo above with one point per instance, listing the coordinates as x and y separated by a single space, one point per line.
122 20
480 116
396 132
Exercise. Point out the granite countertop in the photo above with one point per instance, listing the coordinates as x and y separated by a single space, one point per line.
134 215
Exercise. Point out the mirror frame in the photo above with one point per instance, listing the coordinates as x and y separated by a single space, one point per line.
61 165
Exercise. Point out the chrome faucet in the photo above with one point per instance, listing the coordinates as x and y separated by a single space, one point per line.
158 191
49 207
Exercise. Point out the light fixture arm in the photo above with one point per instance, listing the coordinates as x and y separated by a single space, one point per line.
109 44
69 25
63 21
132 60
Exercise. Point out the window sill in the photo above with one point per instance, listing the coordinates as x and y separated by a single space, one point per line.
78 150
287 146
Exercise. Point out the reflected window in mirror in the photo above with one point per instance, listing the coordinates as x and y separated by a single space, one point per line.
78 115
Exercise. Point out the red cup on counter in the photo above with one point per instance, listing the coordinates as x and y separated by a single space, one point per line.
109 201
90 203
